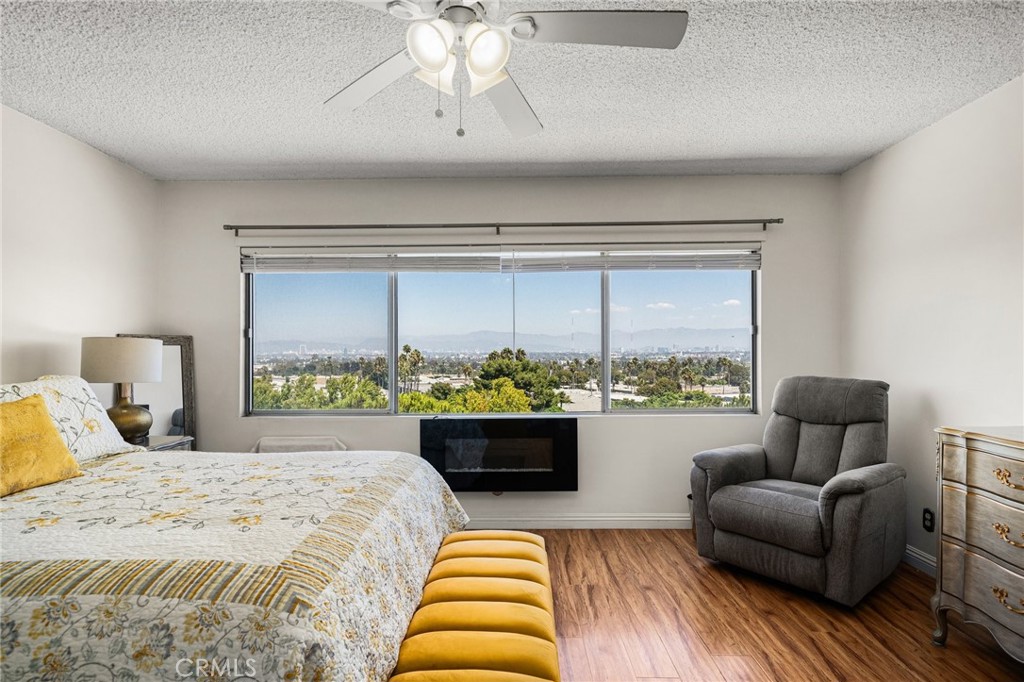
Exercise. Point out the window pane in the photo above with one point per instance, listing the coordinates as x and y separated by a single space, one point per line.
558 325
461 350
448 325
681 339
320 341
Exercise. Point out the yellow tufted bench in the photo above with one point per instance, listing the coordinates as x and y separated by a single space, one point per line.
486 613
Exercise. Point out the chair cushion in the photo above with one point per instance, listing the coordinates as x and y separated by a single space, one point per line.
829 400
516 535
464 676
488 589
507 549
817 453
500 651
804 490
486 616
783 513
490 567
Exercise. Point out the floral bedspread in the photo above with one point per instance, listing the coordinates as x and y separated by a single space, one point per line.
187 565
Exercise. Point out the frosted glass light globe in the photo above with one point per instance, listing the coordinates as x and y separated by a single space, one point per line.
427 46
488 51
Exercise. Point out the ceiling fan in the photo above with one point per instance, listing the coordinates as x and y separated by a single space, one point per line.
446 33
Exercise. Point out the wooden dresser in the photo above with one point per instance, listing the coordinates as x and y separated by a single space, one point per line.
980 571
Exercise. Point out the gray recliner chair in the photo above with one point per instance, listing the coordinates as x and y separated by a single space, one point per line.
816 506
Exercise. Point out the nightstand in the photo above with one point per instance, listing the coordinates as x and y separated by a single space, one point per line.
170 443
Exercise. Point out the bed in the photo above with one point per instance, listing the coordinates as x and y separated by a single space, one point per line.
174 565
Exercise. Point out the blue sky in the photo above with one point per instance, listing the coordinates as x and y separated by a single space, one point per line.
325 306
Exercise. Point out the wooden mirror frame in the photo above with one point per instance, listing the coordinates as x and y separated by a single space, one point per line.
188 376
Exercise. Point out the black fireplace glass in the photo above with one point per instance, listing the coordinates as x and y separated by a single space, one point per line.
502 454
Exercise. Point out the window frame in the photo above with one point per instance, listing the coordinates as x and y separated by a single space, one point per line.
248 342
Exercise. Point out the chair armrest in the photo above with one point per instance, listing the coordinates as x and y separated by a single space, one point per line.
731 465
854 482
857 481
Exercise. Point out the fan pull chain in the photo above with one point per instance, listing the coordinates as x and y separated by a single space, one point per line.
437 112
460 132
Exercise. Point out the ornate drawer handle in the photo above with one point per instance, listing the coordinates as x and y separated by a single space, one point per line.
1003 476
1003 531
1001 596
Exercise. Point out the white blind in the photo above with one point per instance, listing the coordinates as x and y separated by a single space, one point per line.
522 258
305 261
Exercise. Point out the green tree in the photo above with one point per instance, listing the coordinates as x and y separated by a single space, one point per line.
532 378
442 390
423 403
265 395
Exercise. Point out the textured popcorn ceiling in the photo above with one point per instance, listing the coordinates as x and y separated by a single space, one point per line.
234 90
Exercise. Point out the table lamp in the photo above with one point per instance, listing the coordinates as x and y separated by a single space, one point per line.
124 361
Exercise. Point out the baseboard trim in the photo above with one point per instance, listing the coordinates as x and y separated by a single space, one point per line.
583 520
920 560
913 556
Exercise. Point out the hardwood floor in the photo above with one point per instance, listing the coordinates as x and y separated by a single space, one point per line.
642 605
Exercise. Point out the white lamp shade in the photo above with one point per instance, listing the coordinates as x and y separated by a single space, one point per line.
444 80
122 360
488 50
428 44
478 84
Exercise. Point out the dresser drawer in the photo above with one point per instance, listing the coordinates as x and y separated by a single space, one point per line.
952 557
983 522
954 463
995 591
1000 475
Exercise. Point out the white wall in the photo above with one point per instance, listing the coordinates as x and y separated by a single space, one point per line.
79 252
632 468
908 268
932 282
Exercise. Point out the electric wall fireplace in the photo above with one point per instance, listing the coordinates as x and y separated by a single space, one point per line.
497 454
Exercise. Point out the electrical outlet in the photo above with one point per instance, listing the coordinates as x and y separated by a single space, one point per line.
928 520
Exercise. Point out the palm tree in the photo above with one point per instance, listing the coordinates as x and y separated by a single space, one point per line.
415 362
591 365
380 371
632 370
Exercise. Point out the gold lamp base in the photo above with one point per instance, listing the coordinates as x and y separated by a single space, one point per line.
132 422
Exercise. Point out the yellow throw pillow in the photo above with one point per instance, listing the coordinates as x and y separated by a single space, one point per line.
32 453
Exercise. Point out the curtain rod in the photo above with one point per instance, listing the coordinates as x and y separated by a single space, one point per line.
763 222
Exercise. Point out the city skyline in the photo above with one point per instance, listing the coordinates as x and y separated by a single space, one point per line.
322 308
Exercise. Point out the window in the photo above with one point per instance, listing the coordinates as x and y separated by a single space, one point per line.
502 332
681 339
448 322
320 341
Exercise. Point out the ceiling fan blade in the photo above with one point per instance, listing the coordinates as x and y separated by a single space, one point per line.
632 29
373 81
379 5
403 9
513 108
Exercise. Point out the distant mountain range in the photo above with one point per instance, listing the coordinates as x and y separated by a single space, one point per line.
647 340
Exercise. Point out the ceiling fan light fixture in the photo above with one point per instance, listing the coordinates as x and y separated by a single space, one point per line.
444 80
488 50
478 84
428 45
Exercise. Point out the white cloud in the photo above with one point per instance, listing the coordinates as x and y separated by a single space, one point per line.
732 301
585 311
616 308
575 312
661 305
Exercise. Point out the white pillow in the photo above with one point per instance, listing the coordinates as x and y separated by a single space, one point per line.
78 414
